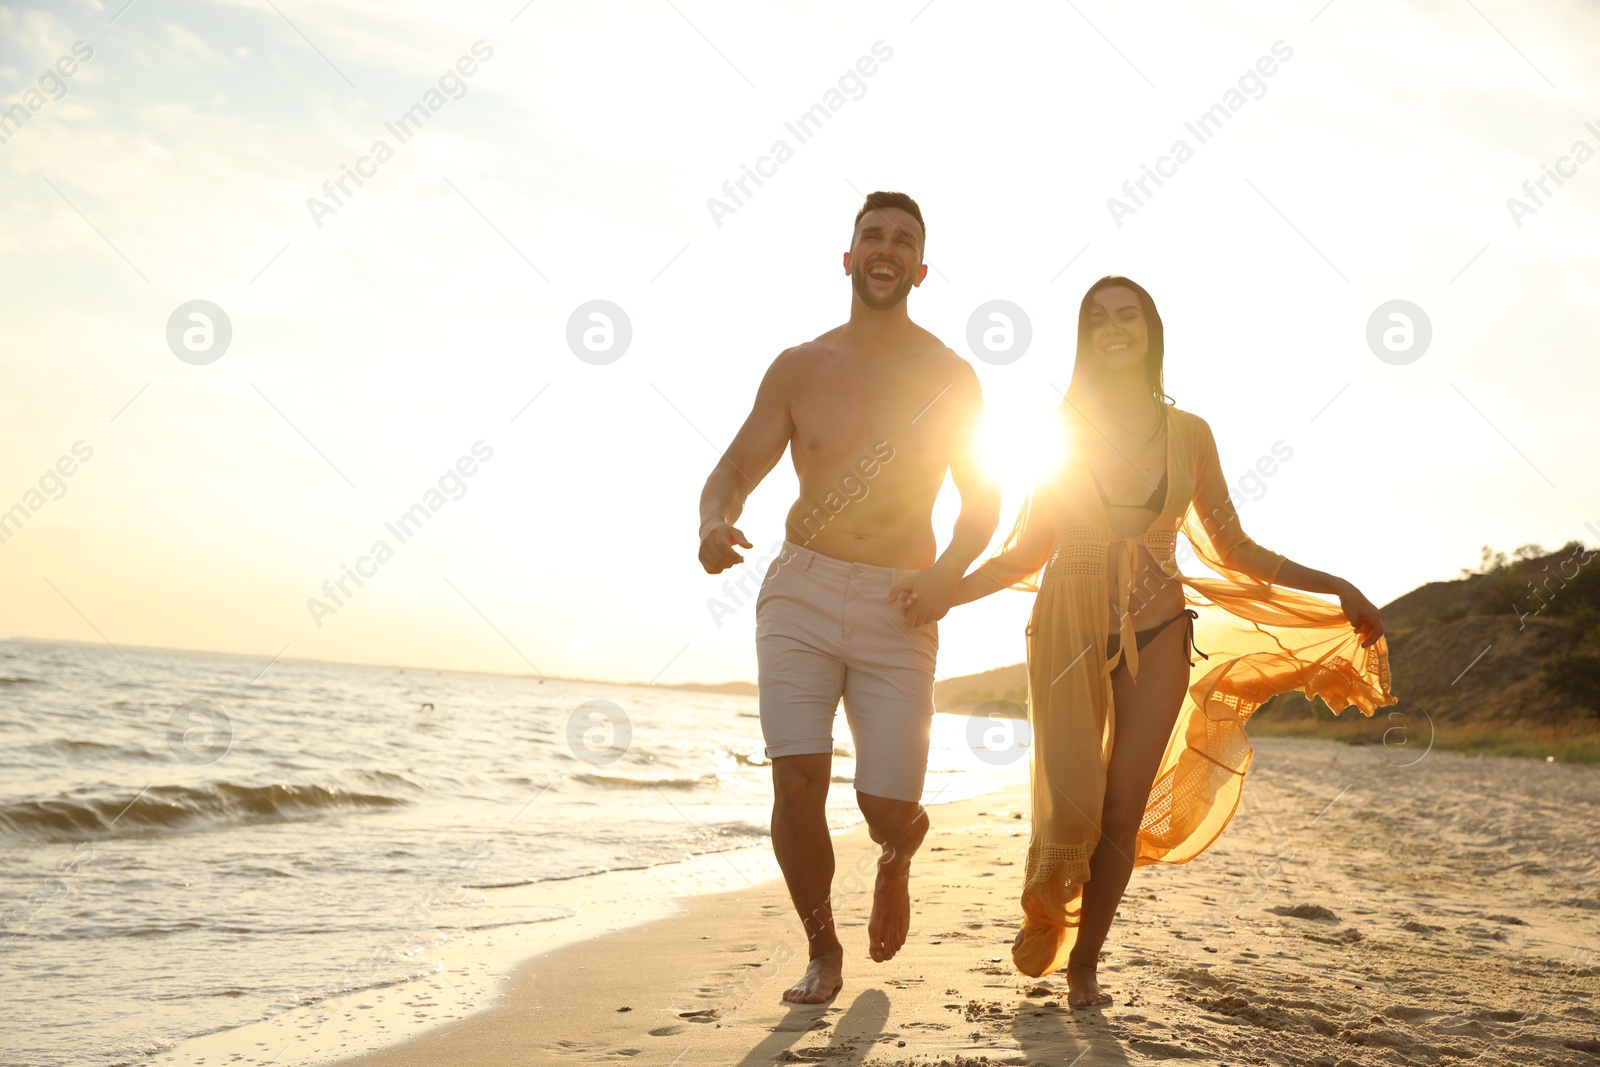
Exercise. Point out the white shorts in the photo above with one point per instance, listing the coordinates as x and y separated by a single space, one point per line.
824 630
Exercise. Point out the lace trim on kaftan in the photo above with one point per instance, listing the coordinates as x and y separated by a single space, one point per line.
1080 553
1080 550
1050 866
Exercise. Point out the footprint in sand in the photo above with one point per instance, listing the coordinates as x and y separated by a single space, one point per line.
1305 911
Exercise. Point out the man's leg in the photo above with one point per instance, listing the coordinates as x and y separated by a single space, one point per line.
805 853
888 698
801 681
898 826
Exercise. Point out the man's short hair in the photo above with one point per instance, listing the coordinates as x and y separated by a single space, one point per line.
899 200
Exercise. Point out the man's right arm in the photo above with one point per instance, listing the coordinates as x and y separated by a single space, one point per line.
756 449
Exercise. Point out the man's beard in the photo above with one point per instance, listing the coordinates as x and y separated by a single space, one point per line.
892 299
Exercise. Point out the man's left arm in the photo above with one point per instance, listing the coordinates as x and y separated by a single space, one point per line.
927 595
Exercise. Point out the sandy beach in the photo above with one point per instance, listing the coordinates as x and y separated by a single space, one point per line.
1359 910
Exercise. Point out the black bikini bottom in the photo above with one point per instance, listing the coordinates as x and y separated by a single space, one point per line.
1144 637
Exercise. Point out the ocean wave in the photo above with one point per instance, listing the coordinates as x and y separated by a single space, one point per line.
390 778
607 781
20 681
177 809
76 749
746 759
571 876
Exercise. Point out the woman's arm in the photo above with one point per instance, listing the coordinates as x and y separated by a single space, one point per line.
1361 612
1238 551
1224 540
974 586
1026 549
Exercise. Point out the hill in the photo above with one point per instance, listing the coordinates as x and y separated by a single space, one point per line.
970 690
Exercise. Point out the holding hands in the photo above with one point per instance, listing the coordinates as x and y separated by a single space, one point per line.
927 595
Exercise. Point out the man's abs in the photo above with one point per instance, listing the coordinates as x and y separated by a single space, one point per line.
878 511
906 541
871 448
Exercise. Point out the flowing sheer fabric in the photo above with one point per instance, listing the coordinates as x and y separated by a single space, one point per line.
1261 640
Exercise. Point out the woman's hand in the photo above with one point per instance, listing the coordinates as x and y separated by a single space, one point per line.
1362 613
925 596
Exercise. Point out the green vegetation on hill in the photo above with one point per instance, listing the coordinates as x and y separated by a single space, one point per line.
1007 684
1504 660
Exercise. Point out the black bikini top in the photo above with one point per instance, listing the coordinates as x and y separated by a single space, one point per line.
1158 497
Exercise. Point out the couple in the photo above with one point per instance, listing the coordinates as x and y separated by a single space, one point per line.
1130 763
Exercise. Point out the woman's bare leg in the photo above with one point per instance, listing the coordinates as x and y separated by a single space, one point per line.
1145 713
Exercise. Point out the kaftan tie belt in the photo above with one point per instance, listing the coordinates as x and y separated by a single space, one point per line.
1127 637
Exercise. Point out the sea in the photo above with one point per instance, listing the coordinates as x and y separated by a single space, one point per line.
192 842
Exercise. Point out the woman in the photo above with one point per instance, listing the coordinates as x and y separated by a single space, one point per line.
1125 770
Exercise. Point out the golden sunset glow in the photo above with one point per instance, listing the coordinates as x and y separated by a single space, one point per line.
1019 452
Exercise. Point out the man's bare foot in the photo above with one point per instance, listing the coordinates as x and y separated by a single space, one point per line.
891 911
1083 991
823 979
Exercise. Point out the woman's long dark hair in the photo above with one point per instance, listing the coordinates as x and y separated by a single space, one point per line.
1155 332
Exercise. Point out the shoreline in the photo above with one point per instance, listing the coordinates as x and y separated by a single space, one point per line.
473 965
702 993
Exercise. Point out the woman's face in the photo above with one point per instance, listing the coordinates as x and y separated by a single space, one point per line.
1118 336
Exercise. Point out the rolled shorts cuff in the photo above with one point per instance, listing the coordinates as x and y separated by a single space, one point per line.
800 748
888 791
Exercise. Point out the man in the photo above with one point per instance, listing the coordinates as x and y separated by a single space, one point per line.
874 413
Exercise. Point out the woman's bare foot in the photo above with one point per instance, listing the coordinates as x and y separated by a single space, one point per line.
823 979
1083 990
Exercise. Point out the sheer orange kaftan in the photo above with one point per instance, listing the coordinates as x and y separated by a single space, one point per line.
1261 639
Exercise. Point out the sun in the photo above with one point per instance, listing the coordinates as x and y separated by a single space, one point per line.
1019 452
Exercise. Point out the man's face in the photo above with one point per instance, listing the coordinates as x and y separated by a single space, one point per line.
886 258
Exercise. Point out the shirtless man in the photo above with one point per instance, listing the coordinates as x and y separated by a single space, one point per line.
873 413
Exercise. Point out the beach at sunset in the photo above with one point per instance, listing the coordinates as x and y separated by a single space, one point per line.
903 534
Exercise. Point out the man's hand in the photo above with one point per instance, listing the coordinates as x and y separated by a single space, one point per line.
925 596
716 547
1362 613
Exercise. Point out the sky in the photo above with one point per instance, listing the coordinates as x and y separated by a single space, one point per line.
418 337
